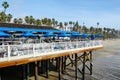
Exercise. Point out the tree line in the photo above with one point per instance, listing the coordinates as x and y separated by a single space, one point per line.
75 26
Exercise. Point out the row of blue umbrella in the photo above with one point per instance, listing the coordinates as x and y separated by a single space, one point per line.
50 34
3 34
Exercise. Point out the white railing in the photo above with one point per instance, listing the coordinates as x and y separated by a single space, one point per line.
13 52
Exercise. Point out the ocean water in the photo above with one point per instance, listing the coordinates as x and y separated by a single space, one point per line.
107 67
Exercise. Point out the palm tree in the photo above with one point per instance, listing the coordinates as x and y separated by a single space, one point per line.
79 29
98 24
76 26
2 17
61 25
104 32
20 20
5 5
70 23
9 17
15 20
85 29
65 24
56 23
45 20
108 29
53 22
100 30
73 23
38 22
31 20
49 22
27 19
92 29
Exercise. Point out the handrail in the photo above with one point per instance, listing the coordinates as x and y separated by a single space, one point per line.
13 52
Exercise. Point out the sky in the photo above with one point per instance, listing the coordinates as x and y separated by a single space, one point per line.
89 12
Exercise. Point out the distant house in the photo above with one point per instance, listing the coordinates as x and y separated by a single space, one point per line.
65 28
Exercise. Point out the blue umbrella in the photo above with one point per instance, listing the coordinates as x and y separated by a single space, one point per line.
49 34
75 34
28 34
92 36
3 34
64 35
85 35
99 35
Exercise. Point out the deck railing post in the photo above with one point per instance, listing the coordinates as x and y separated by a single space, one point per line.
33 50
28 48
8 51
66 46
77 43
43 48
84 44
100 42
53 45
93 43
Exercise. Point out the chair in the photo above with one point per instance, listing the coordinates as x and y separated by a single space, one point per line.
15 52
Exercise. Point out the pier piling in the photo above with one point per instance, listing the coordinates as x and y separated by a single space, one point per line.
36 70
60 67
83 69
76 68
28 72
91 63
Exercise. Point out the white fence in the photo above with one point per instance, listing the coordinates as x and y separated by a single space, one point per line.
13 52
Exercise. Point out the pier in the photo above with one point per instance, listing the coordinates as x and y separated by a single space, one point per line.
41 54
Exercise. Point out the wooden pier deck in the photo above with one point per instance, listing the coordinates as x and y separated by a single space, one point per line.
26 53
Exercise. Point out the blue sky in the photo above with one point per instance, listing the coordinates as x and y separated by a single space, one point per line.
106 12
